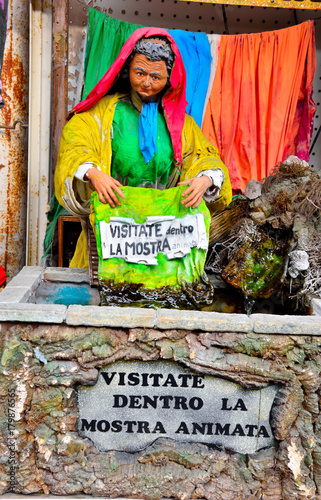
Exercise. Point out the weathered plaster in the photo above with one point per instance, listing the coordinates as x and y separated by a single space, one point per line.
53 458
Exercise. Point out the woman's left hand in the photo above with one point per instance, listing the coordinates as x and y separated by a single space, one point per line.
195 191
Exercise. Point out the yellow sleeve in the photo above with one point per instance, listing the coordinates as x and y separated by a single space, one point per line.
198 154
85 138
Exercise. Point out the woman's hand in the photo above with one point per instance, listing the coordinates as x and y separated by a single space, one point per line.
106 186
195 191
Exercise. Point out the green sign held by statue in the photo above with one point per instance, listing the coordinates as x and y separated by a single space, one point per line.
152 249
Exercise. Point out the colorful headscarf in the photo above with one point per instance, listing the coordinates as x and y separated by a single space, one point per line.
174 100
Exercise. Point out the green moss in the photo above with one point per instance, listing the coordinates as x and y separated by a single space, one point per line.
15 351
257 268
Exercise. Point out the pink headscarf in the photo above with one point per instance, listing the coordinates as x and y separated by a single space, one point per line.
174 100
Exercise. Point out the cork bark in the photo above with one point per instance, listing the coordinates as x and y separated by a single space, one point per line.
41 366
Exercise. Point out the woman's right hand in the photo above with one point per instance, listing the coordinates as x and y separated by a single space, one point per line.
106 186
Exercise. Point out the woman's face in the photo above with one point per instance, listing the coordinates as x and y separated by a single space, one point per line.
148 78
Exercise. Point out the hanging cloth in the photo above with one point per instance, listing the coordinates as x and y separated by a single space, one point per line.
260 109
105 38
196 54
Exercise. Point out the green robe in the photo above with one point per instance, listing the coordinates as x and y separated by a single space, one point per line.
128 165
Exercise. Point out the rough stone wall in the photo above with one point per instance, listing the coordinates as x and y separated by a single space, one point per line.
41 366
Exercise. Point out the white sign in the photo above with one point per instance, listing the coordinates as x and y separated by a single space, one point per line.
140 243
134 403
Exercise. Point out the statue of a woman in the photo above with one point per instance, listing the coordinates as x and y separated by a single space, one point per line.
132 130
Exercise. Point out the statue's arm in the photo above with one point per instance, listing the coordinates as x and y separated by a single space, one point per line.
201 158
80 145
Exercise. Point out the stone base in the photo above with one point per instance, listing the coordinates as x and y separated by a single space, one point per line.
41 366
47 350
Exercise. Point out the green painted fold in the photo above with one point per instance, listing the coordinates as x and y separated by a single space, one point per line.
128 164
138 204
105 38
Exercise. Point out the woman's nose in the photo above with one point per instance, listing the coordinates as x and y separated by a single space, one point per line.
147 81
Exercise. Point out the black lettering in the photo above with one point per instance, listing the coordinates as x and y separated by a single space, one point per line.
182 428
133 379
116 426
180 402
150 401
146 249
103 426
145 380
122 376
170 381
113 230
131 246
159 247
263 432
238 430
111 250
143 427
166 245
88 426
222 430
159 428
251 430
134 402
139 248
154 244
136 229
198 381
118 251
158 230
156 377
120 401
166 400
142 231
240 405
210 429
199 428
224 405
184 378
190 229
124 230
130 424
196 403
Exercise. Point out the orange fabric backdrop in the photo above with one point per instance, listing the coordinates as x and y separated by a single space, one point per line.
260 109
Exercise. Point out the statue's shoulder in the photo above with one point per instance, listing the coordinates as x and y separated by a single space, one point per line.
189 120
109 101
189 123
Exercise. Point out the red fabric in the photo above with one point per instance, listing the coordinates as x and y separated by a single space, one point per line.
3 276
260 110
174 101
